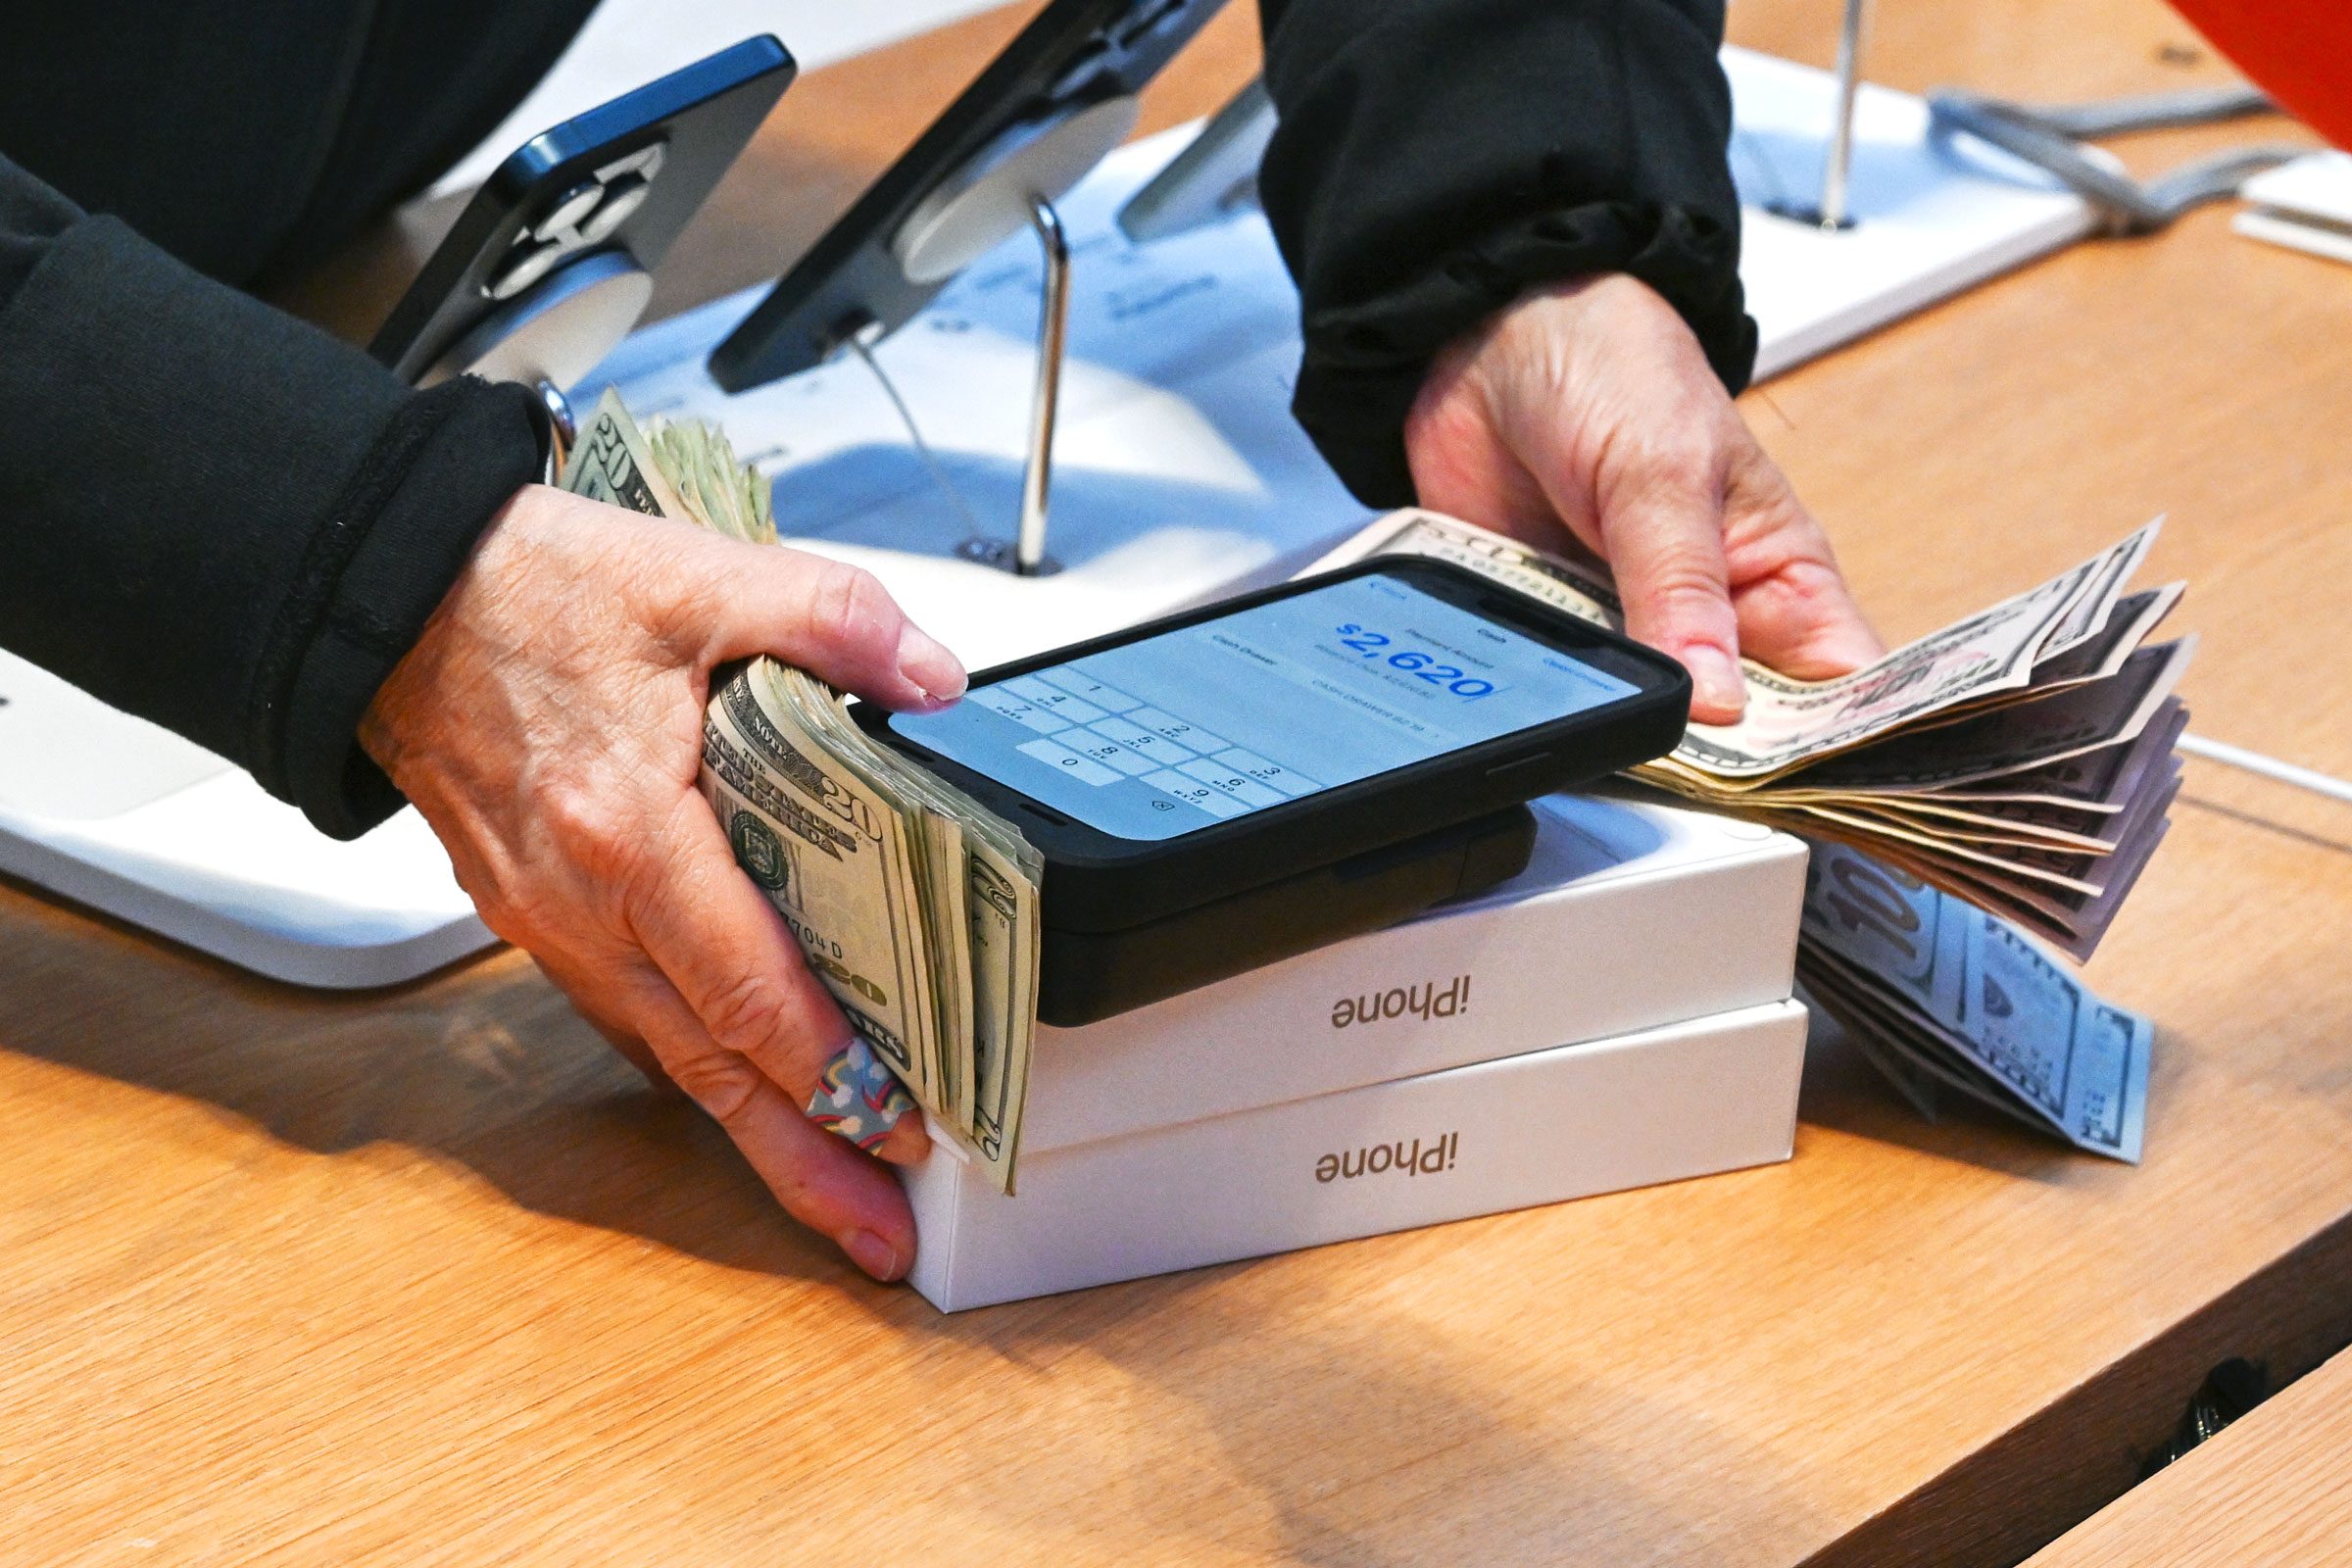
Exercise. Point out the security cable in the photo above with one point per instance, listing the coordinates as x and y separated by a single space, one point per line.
914 433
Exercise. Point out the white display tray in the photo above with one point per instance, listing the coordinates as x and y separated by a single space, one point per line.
2305 205
1929 220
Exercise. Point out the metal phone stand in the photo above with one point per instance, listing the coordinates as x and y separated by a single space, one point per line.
1011 185
553 333
2054 138
1833 210
1214 177
1027 555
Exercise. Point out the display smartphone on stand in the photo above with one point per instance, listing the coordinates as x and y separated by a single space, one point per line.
1077 61
1236 784
550 262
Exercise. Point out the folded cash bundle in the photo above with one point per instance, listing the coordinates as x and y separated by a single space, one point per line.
2021 759
916 905
2018 761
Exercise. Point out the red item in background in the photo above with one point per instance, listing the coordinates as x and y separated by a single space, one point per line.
2299 51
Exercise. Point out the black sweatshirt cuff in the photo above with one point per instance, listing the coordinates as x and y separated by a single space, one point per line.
1437 159
1364 365
375 572
224 520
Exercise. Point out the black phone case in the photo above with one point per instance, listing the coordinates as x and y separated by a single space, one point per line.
1096 884
1087 977
1075 53
703 116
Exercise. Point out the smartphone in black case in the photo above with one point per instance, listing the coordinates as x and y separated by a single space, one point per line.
1234 784
1074 54
607 190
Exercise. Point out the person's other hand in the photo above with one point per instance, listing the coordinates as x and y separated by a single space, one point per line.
549 725
1589 403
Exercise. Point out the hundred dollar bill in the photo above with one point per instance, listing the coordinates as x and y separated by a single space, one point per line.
2006 775
1975 987
2080 717
2094 606
1919 1066
1915 1081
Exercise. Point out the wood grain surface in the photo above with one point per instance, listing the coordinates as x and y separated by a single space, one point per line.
426 1277
2267 1492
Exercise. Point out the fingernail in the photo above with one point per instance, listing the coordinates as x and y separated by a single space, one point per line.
909 1143
1715 678
872 1253
927 661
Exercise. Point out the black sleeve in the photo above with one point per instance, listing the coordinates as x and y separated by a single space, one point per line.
215 517
1434 159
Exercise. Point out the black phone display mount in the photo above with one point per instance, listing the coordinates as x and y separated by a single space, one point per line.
550 265
1037 120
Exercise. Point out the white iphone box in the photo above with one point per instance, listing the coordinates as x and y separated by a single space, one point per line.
1684 1100
1631 912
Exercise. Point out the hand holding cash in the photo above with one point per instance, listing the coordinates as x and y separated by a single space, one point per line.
1590 405
550 726
915 907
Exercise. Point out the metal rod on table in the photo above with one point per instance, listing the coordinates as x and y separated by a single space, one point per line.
1053 332
2302 778
1837 175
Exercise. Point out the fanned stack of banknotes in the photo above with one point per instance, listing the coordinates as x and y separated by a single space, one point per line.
2006 775
916 905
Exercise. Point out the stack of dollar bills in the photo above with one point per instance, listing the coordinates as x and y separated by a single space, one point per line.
914 903
2008 774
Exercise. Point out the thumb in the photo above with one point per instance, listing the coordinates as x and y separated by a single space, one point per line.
1796 613
834 621
1662 532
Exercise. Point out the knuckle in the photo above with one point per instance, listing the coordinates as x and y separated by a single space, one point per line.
1684 458
849 607
1819 585
588 819
1755 485
509 902
681 594
596 837
747 1015
721 1081
573 812
522 917
1680 568
1687 585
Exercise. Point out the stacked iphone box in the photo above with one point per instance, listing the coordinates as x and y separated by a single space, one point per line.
1616 1015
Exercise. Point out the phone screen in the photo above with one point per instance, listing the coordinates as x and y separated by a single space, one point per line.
1274 702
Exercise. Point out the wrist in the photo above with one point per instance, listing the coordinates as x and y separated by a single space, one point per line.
400 714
